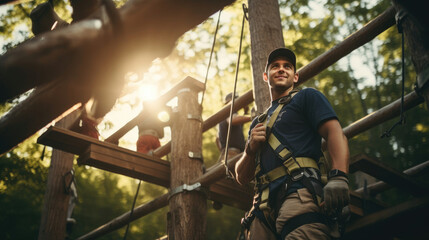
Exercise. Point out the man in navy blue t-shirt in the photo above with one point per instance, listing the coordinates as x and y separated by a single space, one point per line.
282 153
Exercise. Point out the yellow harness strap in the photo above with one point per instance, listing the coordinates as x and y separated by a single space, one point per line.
288 167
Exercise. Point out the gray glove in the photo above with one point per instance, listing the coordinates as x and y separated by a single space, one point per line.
336 194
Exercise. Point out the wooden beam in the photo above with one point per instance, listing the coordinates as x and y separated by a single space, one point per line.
387 174
407 219
110 157
37 111
188 82
382 115
381 186
352 42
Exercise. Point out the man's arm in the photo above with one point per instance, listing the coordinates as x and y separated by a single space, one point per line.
239 119
336 191
337 144
245 167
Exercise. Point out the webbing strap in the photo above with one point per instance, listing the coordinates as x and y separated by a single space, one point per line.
275 144
278 147
274 116
289 166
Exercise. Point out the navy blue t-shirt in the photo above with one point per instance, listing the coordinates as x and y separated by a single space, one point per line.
297 126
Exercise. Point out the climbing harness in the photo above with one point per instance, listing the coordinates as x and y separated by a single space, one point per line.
228 172
303 170
400 15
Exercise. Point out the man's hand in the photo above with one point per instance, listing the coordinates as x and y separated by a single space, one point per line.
257 136
336 194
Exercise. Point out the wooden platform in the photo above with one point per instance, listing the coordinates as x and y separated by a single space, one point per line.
406 220
387 174
110 157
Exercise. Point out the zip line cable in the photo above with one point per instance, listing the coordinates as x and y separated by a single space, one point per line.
228 172
210 58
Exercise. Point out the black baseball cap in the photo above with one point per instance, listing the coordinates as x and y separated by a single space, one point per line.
281 52
228 97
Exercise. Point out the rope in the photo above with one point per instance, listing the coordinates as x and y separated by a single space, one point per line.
399 17
210 58
132 209
228 172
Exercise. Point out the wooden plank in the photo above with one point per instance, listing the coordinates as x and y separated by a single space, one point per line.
404 220
387 174
125 163
66 140
380 186
110 157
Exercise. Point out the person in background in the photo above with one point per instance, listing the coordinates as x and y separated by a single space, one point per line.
236 140
151 129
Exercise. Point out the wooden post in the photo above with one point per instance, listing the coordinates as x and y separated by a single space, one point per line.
56 200
266 35
187 208
413 20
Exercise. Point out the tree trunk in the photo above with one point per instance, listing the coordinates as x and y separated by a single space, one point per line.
56 200
416 31
187 208
266 35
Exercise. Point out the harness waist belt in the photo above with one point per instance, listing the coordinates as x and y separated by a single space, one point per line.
289 166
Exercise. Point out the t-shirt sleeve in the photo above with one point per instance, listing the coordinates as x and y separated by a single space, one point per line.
317 108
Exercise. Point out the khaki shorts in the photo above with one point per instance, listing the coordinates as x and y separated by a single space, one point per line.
295 204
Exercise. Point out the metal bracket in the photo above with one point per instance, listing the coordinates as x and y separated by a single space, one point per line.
185 188
194 117
183 90
195 155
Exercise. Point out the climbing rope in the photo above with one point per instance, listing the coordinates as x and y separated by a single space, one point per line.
132 209
225 162
399 18
210 58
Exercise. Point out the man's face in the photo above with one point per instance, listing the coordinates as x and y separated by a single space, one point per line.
281 75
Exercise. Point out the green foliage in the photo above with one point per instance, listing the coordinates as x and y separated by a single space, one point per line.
104 196
22 184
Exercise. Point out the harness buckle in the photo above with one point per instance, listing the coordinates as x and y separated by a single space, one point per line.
264 179
297 175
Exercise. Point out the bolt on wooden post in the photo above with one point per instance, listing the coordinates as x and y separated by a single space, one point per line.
187 217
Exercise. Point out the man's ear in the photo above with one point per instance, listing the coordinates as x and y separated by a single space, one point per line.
265 75
295 78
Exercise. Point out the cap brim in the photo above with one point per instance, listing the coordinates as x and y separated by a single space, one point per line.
281 52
